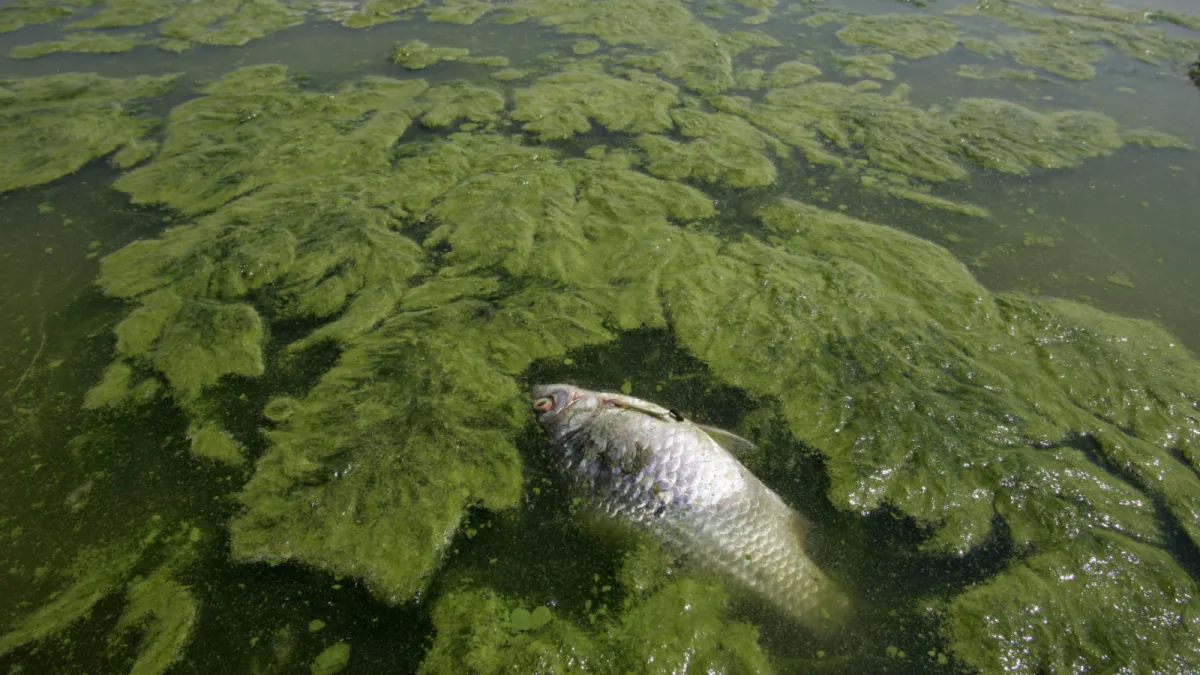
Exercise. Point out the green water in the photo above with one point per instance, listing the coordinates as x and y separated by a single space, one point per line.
292 435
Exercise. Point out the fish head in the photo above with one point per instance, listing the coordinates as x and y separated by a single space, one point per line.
562 408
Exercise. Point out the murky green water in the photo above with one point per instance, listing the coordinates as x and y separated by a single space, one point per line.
287 432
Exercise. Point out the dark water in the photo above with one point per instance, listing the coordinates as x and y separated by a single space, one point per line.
1117 232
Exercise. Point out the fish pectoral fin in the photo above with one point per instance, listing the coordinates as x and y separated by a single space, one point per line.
734 444
799 527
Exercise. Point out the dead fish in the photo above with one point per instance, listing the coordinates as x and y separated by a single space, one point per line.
648 466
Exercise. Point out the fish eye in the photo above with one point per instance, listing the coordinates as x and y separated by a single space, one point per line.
543 404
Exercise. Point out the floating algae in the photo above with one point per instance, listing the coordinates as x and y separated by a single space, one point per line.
873 66
159 611
459 11
332 660
86 43
416 55
561 105
1038 600
126 13
50 126
685 48
663 627
95 575
451 102
972 72
726 149
229 22
304 205
1069 59
791 73
1146 43
910 36
375 12
165 613
17 16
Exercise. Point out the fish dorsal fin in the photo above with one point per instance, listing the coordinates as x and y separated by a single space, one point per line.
734 444
638 405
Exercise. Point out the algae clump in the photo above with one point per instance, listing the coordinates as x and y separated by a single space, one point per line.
51 126
85 43
910 36
727 149
663 627
561 105
416 55
332 660
459 11
1051 53
229 22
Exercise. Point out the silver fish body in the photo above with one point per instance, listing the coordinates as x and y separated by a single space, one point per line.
647 466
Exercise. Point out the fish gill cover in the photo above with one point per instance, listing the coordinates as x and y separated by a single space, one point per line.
443 238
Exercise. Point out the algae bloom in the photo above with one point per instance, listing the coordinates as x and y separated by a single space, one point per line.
335 241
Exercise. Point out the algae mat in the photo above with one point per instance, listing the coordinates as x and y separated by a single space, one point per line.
280 424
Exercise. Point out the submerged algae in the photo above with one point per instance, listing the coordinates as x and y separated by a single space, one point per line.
51 126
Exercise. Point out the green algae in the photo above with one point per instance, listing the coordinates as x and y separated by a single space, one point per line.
958 496
1146 43
561 105
134 153
15 17
126 13
416 55
1011 138
910 36
585 47
663 627
212 442
165 613
95 575
452 102
392 473
726 149
1051 53
375 12
462 12
934 202
229 22
872 66
972 72
53 125
684 47
509 74
791 73
84 43
1074 608
985 47
112 389
332 660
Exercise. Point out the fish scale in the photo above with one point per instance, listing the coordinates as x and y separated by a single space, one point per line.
642 464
